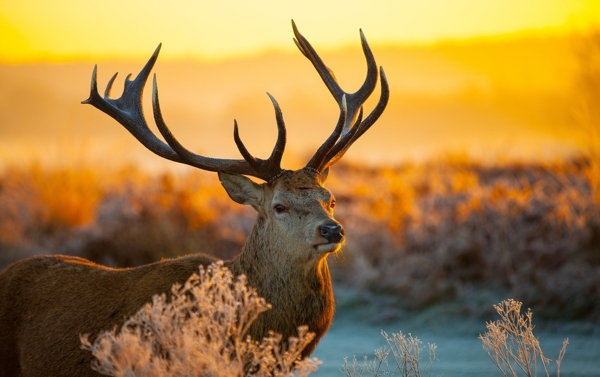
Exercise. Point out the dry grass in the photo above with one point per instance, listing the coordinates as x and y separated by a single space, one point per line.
406 355
423 234
511 345
199 330
201 327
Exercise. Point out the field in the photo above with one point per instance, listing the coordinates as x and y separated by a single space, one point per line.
447 231
448 238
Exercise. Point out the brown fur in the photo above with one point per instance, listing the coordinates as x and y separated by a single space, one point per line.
46 302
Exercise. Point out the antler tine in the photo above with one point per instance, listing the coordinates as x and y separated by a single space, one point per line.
362 126
354 126
127 110
275 157
273 163
354 100
256 167
319 158
241 147
325 73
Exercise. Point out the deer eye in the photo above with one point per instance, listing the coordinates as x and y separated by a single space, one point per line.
332 204
280 208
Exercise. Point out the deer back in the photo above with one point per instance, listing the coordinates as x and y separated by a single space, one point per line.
47 302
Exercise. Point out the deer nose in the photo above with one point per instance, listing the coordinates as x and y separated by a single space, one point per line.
332 233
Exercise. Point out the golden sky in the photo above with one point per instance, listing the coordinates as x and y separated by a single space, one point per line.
59 30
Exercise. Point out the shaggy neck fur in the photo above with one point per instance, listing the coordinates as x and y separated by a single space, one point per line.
300 292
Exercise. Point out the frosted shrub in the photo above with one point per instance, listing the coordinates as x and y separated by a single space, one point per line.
199 330
511 345
406 354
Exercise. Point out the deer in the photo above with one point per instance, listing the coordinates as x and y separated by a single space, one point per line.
48 301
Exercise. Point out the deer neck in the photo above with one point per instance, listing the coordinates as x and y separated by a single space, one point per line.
274 267
299 291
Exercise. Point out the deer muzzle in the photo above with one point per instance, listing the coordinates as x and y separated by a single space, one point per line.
333 233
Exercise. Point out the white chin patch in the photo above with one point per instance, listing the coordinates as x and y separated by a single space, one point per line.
328 247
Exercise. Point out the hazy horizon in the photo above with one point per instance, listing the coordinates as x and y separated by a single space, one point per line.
490 98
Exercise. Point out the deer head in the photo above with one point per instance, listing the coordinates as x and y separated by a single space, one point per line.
289 201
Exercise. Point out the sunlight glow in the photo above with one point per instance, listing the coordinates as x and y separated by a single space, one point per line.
72 30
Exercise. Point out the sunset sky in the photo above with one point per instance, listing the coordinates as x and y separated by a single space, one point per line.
63 30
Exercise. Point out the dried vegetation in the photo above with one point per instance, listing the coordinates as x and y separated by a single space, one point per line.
511 345
423 234
403 358
201 329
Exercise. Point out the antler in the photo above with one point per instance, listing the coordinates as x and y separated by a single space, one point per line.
127 110
350 125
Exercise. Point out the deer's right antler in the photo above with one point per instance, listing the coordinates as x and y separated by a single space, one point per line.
127 110
350 126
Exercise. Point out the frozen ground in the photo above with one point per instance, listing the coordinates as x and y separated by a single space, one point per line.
458 349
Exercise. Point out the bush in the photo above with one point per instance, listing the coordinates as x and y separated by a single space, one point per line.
199 330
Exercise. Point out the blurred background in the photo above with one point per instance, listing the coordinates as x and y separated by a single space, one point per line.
481 180
494 79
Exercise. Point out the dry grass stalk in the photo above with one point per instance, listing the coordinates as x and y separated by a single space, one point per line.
510 343
406 351
199 330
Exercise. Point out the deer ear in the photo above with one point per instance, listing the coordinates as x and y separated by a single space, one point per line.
241 189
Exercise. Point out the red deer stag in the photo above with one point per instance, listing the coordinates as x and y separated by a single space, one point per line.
46 302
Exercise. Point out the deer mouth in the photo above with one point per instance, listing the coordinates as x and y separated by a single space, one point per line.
329 247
